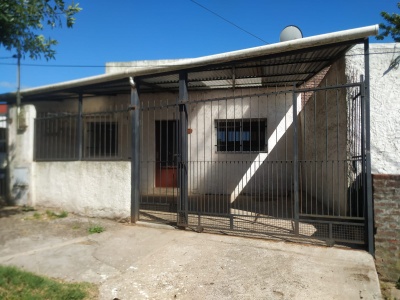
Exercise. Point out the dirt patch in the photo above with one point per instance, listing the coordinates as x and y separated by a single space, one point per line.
22 223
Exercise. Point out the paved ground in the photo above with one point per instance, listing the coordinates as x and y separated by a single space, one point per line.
141 262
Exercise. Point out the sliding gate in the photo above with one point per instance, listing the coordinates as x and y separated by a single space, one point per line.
288 163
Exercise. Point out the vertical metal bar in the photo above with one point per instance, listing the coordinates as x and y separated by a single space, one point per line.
295 163
370 215
135 148
79 128
35 137
183 149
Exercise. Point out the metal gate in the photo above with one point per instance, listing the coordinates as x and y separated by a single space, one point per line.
277 163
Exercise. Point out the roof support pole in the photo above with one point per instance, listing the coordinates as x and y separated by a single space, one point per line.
368 180
295 164
135 151
79 129
183 150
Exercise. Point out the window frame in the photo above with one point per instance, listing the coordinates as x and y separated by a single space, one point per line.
239 132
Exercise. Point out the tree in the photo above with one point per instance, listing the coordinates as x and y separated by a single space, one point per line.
21 22
392 27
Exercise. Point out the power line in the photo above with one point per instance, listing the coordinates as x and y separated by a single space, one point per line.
55 66
226 20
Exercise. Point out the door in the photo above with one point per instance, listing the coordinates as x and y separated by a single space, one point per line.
166 153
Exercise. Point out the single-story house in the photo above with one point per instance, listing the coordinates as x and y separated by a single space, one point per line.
276 140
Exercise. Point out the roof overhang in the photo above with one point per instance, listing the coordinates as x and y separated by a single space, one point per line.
281 64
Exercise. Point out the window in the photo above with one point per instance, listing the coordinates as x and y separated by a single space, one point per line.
241 135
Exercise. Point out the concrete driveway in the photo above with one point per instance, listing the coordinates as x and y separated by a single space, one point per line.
150 262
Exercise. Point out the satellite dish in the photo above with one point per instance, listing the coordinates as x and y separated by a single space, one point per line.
289 33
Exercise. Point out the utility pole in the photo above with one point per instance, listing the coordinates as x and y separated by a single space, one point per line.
18 80
20 114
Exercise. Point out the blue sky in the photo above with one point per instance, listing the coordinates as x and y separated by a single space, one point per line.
127 30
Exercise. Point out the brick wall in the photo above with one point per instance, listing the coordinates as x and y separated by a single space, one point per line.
386 197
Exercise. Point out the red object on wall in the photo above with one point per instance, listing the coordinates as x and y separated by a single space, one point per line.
3 109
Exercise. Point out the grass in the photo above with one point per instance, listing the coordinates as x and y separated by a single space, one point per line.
26 208
95 229
17 284
53 215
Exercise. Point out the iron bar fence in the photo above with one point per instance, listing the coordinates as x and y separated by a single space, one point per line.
105 136
240 165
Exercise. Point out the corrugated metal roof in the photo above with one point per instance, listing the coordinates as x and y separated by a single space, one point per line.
281 64
277 70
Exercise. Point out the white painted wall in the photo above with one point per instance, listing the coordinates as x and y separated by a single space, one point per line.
385 104
90 188
20 145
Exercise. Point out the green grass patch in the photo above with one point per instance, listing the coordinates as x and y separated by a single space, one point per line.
17 284
37 216
53 215
96 229
26 208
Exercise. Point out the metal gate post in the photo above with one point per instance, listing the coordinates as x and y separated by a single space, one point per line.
295 165
368 181
135 149
183 150
79 129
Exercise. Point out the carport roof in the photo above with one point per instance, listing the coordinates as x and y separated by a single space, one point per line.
282 64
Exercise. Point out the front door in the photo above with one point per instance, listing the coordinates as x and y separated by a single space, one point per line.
166 153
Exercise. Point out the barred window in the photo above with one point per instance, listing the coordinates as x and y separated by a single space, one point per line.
56 136
91 136
102 139
241 135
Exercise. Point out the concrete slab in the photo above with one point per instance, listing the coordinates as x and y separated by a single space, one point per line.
140 262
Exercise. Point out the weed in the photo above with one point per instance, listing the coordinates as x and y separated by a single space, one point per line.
17 284
53 215
63 214
398 284
26 208
37 216
95 229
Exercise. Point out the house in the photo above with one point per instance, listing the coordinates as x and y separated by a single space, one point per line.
273 140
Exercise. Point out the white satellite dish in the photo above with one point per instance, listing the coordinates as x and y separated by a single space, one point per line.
289 33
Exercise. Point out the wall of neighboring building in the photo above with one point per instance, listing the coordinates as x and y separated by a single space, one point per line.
385 104
385 151
386 196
